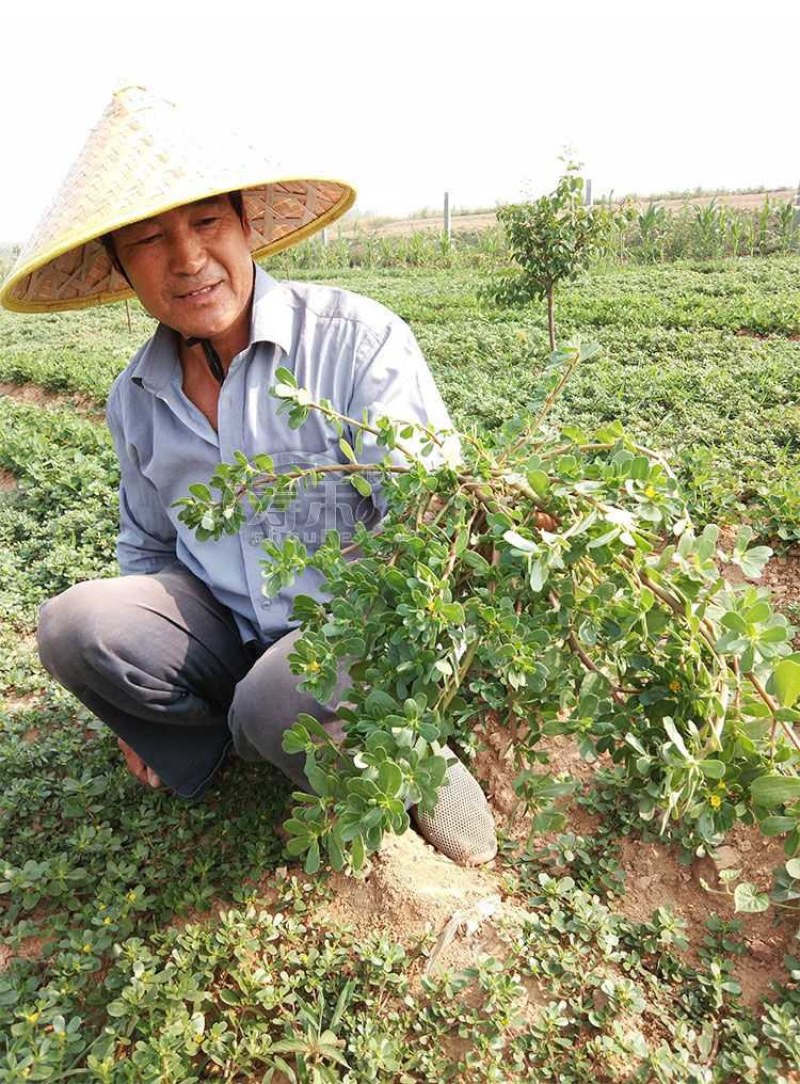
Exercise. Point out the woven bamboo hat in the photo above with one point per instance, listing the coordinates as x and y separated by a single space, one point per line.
146 156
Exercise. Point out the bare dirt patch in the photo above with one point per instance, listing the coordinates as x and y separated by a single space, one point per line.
655 877
414 894
782 577
39 396
460 224
30 948
8 483
19 703
654 874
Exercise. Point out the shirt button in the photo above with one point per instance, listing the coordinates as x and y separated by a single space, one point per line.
256 541
265 605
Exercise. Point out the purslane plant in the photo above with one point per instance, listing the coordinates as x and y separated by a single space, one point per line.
549 578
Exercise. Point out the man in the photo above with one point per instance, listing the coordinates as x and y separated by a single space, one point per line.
182 655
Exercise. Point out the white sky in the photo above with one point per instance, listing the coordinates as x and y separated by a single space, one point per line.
479 99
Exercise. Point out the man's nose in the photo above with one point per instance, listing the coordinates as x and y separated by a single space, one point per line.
187 253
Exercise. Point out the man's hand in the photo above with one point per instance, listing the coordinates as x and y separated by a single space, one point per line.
137 767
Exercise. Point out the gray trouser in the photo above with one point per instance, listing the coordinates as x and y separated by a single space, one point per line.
161 662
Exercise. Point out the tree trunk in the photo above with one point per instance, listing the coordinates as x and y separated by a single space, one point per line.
551 316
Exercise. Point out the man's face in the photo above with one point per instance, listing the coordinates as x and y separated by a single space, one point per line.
191 267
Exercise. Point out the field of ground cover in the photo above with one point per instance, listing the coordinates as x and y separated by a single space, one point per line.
147 940
700 361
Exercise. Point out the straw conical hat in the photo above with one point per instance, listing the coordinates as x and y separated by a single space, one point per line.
144 157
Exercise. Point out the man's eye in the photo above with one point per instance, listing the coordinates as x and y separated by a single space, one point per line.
209 220
149 240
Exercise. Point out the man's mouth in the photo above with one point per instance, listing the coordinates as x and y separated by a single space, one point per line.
201 291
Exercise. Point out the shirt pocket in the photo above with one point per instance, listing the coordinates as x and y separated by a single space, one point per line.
325 503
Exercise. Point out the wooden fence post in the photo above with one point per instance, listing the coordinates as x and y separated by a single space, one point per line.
447 220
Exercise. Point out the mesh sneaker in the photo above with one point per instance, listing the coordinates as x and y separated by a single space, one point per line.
461 824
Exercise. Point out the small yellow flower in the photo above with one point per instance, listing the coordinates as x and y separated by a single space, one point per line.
130 896
675 686
86 948
715 801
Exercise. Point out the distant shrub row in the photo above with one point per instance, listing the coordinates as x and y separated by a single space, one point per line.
649 235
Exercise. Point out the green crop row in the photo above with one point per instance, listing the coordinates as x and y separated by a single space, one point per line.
57 526
700 361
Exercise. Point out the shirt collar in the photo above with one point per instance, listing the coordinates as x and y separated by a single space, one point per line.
273 314
271 322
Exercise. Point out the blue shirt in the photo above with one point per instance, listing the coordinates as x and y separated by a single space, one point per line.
340 346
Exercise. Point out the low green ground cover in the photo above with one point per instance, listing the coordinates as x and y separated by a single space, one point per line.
700 361
55 528
113 969
77 352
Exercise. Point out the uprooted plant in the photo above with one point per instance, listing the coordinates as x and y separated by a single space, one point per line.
548 577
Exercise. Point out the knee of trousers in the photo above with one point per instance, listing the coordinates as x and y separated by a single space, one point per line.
265 704
254 723
73 631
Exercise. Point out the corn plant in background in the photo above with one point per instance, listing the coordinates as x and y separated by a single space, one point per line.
709 232
653 224
551 578
786 228
710 225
